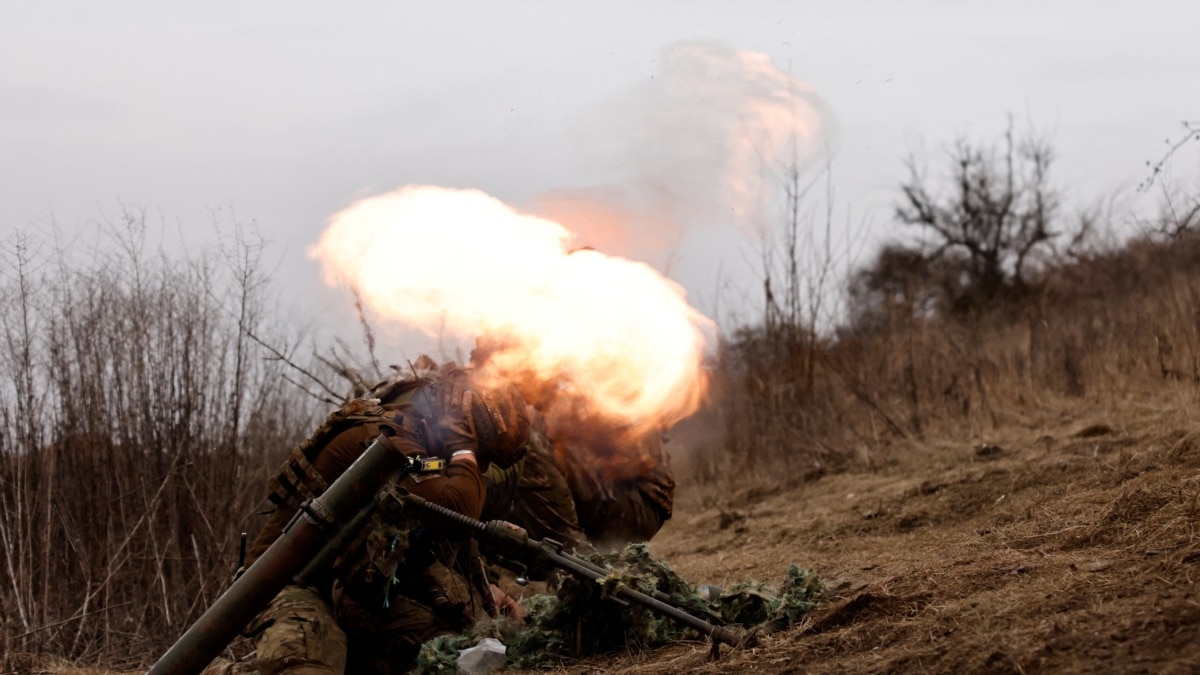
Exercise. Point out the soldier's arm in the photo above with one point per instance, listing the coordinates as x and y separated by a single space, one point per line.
461 488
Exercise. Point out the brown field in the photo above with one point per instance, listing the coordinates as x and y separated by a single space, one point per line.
1065 541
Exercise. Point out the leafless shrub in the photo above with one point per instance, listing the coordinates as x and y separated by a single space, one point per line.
137 420
1191 132
999 212
1091 317
770 377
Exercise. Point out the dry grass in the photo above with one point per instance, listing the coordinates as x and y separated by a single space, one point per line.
137 422
1069 544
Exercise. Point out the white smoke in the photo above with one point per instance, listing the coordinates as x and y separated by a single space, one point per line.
705 142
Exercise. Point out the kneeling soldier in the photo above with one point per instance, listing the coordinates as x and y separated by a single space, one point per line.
405 578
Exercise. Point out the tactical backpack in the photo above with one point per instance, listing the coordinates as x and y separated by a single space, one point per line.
297 480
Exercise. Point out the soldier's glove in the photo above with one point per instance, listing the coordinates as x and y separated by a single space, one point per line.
454 426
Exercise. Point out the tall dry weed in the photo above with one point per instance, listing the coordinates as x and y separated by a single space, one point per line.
137 419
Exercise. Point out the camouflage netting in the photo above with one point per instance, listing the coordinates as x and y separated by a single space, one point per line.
580 621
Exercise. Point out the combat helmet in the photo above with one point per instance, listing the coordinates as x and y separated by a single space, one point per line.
501 422
464 409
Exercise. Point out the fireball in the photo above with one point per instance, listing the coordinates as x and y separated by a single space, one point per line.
607 330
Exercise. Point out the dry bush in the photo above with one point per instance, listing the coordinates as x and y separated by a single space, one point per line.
137 419
913 358
994 219
1109 322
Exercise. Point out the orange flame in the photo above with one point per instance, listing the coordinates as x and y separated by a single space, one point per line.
614 331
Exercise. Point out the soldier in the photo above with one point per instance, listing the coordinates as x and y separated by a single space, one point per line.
620 480
535 495
404 579
584 481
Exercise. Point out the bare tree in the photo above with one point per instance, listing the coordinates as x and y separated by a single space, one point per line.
1191 132
1180 208
771 371
996 215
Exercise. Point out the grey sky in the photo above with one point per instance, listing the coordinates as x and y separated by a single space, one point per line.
285 111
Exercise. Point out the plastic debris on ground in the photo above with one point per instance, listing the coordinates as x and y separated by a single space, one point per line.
481 659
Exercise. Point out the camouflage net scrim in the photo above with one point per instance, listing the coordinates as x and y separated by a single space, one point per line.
579 621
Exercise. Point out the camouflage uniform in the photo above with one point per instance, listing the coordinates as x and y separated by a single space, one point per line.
405 579
301 636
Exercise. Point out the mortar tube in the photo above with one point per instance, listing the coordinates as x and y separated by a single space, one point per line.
275 569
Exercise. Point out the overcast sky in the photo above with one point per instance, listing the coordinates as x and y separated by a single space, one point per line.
287 111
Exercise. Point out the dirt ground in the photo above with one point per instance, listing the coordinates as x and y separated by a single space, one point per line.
1063 541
